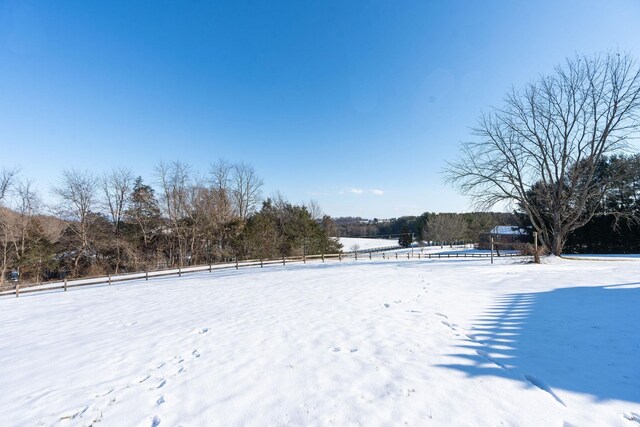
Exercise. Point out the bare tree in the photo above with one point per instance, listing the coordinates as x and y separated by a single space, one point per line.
116 187
246 189
445 228
541 150
315 211
221 174
28 205
7 177
77 200
175 181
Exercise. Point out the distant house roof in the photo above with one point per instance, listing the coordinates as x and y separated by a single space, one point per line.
508 229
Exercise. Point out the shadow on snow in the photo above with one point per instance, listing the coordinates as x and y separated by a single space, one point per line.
583 339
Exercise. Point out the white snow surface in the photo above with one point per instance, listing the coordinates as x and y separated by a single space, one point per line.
413 342
365 243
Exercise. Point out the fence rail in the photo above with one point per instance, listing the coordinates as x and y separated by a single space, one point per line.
369 254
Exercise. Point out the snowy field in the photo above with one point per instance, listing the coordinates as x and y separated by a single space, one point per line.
365 243
445 343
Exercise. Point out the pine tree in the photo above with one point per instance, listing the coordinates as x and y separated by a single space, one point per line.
405 239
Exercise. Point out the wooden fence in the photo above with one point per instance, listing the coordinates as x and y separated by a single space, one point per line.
369 254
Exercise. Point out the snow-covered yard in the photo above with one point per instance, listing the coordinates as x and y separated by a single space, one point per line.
364 243
451 342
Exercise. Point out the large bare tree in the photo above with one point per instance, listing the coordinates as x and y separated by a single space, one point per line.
116 186
175 181
77 202
541 150
246 189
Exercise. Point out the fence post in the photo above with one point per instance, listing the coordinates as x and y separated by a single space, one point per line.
322 257
407 255
340 257
179 271
209 266
383 256
109 279
284 262
396 255
369 255
17 289
356 256
65 284
146 275
236 263
260 262
304 259
491 250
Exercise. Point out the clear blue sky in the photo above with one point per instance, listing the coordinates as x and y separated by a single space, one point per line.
355 104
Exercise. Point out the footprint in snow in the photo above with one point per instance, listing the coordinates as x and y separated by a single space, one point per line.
449 325
544 387
107 393
387 306
336 349
203 330
442 315
161 383
195 353
160 400
353 350
155 422
632 416
72 415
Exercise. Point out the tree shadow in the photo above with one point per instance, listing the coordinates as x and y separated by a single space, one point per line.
582 339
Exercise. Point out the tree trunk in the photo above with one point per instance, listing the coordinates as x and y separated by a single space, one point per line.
558 242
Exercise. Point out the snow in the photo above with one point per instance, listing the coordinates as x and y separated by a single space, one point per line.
383 342
366 243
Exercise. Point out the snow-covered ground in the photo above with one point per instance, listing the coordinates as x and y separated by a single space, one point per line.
604 256
364 243
407 342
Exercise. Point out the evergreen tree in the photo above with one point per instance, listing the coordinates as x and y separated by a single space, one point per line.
405 239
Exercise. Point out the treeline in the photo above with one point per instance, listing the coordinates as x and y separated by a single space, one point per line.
433 227
608 232
117 222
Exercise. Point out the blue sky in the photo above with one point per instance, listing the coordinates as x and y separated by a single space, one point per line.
355 104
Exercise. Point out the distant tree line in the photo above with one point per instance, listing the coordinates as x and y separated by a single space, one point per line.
116 222
440 228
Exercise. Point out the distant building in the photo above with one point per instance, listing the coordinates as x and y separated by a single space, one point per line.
505 237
